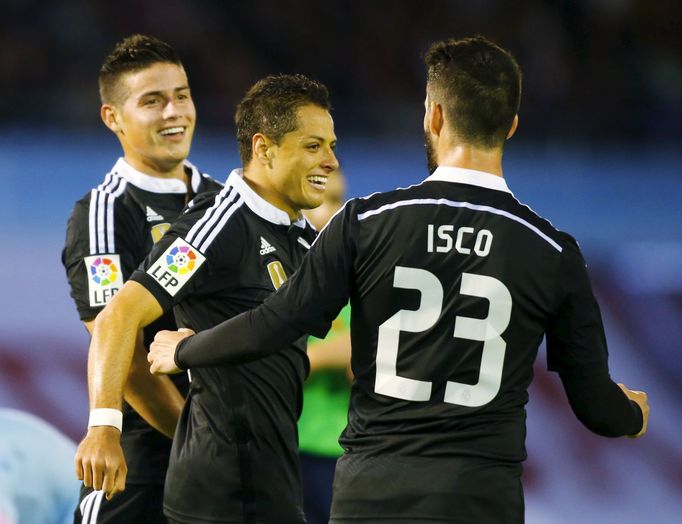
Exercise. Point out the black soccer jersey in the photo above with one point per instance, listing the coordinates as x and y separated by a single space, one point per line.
110 232
453 284
234 456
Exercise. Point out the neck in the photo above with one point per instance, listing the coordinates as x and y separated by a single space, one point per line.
258 180
158 170
469 157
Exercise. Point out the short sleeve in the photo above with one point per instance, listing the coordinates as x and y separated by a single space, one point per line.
96 267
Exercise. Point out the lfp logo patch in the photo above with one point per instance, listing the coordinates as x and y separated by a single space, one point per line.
176 266
181 259
105 278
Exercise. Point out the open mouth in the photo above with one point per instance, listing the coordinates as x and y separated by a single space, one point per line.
317 181
172 131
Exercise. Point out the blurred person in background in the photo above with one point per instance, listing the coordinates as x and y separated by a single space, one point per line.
147 104
326 391
37 485
234 455
452 283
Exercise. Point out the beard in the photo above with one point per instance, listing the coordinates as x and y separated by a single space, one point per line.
431 161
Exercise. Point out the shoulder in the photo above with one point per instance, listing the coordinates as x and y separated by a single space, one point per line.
201 181
375 203
211 214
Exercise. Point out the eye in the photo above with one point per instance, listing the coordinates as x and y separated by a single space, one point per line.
313 147
150 101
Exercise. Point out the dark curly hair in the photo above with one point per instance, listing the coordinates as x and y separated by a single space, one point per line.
270 105
131 54
479 86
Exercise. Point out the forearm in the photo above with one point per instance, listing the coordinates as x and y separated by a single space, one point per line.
109 359
113 343
155 398
248 336
601 405
331 353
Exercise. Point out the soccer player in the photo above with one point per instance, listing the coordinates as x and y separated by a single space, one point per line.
453 283
234 457
146 103
326 390
36 471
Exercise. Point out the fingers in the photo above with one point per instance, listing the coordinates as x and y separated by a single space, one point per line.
115 482
97 477
78 466
642 400
87 475
99 461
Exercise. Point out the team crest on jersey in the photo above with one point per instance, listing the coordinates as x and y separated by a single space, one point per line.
104 278
176 266
265 247
159 230
277 274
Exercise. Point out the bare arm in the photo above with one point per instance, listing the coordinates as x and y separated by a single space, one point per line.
157 401
330 353
99 459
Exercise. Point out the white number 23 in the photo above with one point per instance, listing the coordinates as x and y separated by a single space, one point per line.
487 330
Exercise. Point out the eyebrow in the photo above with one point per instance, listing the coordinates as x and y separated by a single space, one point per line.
315 137
151 93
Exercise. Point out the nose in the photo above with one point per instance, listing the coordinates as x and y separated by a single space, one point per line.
170 110
330 162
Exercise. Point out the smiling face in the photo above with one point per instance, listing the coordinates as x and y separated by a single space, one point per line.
155 119
302 161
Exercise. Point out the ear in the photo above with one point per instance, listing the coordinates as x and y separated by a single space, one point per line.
435 118
109 116
262 149
515 124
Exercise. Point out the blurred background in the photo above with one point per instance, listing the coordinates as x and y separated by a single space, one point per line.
598 152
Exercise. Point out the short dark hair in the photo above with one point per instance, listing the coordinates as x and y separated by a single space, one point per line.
131 54
479 86
270 105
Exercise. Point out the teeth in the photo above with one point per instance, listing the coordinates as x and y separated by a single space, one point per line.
317 179
172 130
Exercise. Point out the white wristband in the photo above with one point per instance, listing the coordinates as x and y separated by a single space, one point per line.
106 417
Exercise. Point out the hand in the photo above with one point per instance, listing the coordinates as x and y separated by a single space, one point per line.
162 351
99 461
641 399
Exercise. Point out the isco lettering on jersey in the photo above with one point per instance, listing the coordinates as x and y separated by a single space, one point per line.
104 278
176 266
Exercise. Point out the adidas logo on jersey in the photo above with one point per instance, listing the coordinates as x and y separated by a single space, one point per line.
153 216
265 247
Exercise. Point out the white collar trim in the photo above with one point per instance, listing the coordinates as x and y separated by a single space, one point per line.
155 184
258 204
469 176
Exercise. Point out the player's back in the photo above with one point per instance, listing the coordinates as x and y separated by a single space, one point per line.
453 286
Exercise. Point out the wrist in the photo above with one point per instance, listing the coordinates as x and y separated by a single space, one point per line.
176 356
106 417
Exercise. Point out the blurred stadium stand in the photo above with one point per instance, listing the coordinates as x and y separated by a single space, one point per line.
598 152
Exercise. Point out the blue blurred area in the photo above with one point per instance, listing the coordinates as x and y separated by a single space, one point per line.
622 204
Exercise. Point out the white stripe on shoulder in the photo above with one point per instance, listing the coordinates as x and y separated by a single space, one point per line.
303 242
207 214
466 205
202 234
229 211
101 214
